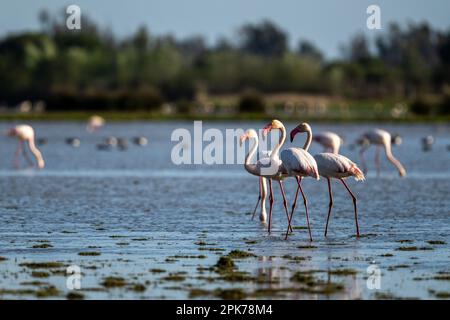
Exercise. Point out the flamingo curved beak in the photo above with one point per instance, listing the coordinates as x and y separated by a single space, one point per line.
267 129
294 133
242 139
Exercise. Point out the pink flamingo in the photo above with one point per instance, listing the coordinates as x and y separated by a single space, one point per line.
25 133
338 167
269 167
380 138
95 122
329 140
300 163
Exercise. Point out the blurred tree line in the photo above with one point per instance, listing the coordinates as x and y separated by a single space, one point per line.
89 69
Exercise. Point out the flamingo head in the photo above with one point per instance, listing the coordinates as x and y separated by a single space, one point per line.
302 127
11 132
249 134
274 124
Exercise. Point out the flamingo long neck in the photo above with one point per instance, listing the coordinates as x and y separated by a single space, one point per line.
36 153
276 150
393 160
250 167
308 140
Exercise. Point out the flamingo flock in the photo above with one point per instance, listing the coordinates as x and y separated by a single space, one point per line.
299 163
273 165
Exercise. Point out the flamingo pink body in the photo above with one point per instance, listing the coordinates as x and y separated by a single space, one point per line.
25 133
336 166
299 163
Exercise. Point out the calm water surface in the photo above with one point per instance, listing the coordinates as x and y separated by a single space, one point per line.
138 212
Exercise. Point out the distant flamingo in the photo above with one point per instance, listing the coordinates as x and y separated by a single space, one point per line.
299 163
269 167
251 134
25 133
94 123
380 138
329 140
338 167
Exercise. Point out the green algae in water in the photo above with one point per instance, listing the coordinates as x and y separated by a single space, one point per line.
49 291
174 277
225 263
138 287
89 253
230 294
42 265
42 246
194 293
40 274
342 272
74 296
156 270
238 254
436 242
114 282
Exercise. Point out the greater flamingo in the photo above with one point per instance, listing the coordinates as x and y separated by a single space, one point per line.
251 134
337 166
269 167
25 133
273 167
300 163
329 140
94 123
379 138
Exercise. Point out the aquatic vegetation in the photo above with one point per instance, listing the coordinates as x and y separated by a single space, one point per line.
49 291
138 287
74 296
41 265
89 253
40 274
156 270
42 246
230 294
193 293
174 277
436 242
114 282
414 248
386 255
225 263
2 259
238 254
342 272
307 247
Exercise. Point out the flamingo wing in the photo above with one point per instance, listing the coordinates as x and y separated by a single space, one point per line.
299 161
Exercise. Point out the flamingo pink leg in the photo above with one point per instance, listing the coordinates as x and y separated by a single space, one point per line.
271 204
294 204
305 202
354 205
377 160
259 198
27 158
16 161
330 206
285 203
363 161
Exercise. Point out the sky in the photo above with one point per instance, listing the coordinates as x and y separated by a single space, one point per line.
327 23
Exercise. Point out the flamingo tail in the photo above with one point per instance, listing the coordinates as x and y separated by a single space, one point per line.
357 173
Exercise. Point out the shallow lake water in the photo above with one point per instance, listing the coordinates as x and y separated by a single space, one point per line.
139 226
